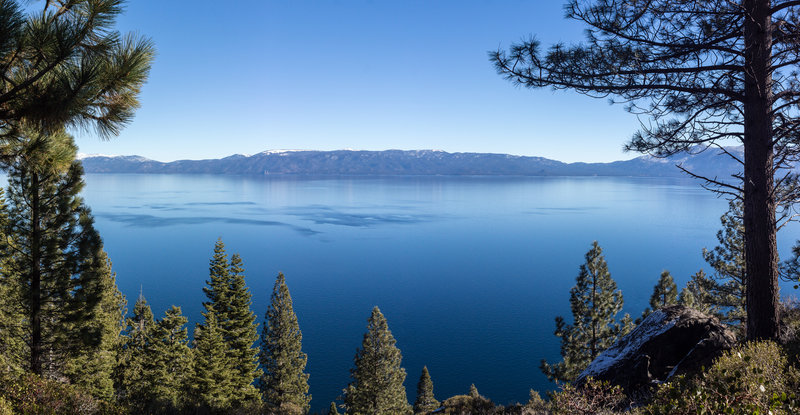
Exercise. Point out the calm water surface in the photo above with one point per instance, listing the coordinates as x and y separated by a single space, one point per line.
470 272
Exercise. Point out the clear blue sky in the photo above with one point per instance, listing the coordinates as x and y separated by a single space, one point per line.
248 76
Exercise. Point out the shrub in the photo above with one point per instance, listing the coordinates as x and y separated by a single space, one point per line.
31 394
591 398
751 378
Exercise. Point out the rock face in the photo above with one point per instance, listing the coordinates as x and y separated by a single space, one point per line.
669 341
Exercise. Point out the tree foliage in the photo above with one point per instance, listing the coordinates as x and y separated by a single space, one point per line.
665 293
595 301
229 300
377 378
65 65
284 379
703 72
426 401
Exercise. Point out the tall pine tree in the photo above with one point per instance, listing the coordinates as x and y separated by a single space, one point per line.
229 300
425 402
241 332
377 378
595 302
284 381
70 305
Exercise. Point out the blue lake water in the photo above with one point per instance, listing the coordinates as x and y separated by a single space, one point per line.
469 271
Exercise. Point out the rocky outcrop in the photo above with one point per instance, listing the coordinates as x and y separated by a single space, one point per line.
670 341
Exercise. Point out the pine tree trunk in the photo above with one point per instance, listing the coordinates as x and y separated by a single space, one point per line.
36 280
761 257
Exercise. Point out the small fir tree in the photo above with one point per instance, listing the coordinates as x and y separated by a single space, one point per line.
686 298
426 402
218 283
699 287
665 293
595 301
283 380
473 391
212 379
332 410
377 378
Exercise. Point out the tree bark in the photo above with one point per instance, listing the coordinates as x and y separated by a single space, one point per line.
761 254
36 280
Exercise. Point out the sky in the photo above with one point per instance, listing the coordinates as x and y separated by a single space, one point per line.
245 76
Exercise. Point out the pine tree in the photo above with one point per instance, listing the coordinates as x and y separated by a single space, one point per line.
699 287
727 287
92 366
56 264
686 298
332 410
473 391
595 301
426 402
212 380
377 385
284 380
241 332
229 300
131 374
170 362
665 293
218 283
13 348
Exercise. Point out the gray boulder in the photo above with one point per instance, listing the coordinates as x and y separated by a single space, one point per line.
670 341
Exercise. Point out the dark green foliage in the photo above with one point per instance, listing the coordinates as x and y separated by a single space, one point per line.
69 307
168 370
665 293
229 299
332 410
727 287
241 332
13 349
426 401
699 288
212 380
131 380
284 380
752 378
66 66
595 302
377 378
93 367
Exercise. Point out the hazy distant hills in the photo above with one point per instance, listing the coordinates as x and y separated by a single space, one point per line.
416 162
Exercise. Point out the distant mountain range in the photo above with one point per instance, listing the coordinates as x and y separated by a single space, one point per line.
417 162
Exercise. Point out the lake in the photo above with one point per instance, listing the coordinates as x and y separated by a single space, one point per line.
469 271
